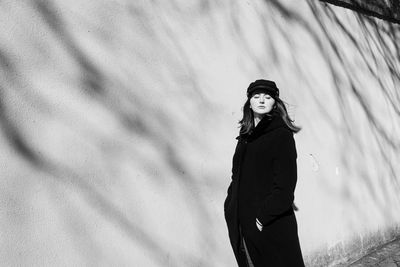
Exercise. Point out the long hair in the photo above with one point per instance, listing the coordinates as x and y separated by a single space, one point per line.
246 124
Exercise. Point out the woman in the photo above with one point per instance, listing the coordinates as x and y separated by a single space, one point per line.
259 207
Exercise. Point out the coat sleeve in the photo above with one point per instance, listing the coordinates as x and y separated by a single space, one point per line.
281 197
229 191
228 197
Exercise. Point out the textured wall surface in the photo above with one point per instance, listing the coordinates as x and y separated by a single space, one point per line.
118 124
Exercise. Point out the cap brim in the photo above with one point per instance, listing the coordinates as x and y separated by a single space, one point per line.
271 91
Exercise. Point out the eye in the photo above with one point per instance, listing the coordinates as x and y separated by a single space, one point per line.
266 96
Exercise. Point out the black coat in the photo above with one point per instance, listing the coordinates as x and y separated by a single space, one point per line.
264 176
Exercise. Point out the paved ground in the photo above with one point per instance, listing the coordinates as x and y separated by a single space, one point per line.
387 255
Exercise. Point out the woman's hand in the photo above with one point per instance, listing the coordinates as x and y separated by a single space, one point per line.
259 225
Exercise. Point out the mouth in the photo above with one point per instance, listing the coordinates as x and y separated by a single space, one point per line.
261 107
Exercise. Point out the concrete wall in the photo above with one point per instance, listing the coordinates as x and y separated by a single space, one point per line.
119 118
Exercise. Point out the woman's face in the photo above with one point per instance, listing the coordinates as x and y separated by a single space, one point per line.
261 103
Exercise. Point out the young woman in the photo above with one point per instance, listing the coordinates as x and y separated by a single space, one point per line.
259 208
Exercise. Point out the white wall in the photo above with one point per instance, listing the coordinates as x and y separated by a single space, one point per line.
119 121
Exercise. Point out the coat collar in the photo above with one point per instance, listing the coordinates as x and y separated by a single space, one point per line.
266 124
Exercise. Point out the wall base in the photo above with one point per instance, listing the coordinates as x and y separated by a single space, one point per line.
345 253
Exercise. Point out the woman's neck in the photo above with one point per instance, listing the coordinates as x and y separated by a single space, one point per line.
257 119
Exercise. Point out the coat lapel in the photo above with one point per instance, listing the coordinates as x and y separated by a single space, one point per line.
265 125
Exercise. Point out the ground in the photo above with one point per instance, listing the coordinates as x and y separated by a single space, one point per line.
387 255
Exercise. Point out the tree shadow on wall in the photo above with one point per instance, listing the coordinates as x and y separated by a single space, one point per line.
379 53
102 87
375 44
377 47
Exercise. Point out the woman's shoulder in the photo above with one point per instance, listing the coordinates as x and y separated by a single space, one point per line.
285 141
284 135
284 131
280 128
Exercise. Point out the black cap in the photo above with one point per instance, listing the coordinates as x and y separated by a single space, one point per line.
267 85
